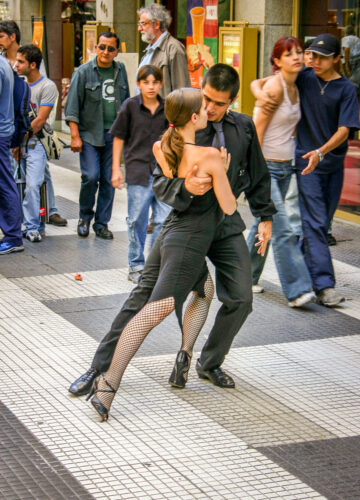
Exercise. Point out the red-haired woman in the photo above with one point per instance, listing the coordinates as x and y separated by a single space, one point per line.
276 133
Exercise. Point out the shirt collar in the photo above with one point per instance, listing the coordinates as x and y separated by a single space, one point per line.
157 43
159 98
95 64
37 81
229 117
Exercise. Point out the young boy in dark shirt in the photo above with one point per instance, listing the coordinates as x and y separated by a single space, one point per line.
139 123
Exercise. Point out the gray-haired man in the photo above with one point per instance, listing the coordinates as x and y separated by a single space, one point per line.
163 50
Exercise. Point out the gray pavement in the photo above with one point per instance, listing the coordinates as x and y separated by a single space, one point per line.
290 429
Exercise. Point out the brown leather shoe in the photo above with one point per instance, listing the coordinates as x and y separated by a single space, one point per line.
57 220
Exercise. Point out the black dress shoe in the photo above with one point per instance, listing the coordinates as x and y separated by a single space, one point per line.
179 375
84 383
217 376
83 228
331 240
104 233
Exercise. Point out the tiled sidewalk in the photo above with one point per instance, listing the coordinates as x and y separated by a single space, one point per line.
290 429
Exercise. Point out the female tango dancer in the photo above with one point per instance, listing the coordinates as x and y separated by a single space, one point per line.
276 131
185 240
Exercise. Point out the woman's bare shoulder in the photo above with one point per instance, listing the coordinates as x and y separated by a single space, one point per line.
160 158
210 159
208 152
156 147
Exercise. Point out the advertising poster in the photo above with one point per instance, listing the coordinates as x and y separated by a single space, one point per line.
202 38
89 43
231 56
38 34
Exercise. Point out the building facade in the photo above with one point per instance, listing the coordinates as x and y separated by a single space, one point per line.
64 20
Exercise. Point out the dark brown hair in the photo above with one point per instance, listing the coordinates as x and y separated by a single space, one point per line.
222 78
180 105
147 70
32 54
286 43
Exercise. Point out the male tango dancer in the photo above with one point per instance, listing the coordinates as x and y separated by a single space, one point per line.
228 252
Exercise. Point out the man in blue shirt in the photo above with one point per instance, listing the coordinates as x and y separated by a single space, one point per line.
10 209
329 109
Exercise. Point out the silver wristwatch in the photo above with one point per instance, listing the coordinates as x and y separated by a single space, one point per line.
321 156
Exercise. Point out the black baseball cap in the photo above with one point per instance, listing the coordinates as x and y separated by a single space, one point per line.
326 45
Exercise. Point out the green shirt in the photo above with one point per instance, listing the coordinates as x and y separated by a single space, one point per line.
108 95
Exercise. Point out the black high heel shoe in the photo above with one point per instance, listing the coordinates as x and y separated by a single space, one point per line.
179 375
99 407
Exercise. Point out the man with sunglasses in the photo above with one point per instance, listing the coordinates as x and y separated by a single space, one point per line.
163 51
96 93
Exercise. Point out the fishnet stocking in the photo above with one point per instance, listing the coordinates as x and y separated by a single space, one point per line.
195 315
129 342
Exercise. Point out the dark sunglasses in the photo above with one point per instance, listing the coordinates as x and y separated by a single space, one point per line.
104 47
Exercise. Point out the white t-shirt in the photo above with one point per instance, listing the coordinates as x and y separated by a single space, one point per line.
347 42
44 93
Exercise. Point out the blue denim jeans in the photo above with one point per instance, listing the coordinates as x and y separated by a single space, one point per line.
140 199
319 195
10 208
33 165
292 206
51 195
293 273
96 171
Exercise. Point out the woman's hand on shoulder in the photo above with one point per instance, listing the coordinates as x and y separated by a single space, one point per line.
225 157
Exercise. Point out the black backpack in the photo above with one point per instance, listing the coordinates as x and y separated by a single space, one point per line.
21 96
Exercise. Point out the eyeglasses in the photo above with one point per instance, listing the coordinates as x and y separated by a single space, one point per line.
144 23
108 47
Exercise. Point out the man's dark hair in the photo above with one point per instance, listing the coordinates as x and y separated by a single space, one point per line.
308 42
147 70
223 78
109 34
32 54
10 27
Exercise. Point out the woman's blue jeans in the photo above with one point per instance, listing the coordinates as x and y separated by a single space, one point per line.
140 199
293 273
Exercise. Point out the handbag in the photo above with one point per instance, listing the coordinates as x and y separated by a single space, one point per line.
51 142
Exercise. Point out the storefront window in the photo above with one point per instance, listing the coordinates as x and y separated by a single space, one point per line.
4 10
342 19
78 13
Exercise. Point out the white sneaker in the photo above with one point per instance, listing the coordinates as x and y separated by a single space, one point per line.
303 299
33 236
329 298
257 289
